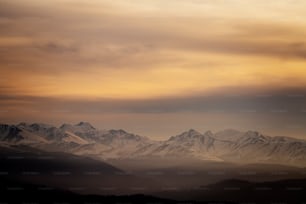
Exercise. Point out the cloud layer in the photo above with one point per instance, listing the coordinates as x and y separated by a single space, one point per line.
152 56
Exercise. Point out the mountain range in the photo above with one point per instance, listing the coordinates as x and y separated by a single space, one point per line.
224 146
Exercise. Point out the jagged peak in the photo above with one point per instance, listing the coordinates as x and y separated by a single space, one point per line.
187 134
84 124
81 126
34 126
40 125
192 132
122 134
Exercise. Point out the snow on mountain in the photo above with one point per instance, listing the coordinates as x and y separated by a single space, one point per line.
255 147
188 144
118 139
113 144
84 130
47 132
192 141
81 139
72 138
228 145
18 135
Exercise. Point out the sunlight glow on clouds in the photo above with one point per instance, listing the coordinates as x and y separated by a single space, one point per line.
149 49
145 49
155 48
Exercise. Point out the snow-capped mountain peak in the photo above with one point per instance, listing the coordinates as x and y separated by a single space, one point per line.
34 126
85 125
80 127
120 134
187 135
227 145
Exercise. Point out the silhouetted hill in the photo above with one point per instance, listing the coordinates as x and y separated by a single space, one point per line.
19 192
234 190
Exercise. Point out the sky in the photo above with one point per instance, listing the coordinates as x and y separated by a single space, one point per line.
155 67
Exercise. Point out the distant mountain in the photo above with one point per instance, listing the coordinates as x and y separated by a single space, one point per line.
188 144
228 145
80 139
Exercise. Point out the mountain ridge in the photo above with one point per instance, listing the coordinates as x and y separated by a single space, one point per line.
228 145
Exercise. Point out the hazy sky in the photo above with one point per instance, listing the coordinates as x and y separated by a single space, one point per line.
155 67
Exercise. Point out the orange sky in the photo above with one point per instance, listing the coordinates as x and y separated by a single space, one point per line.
148 49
